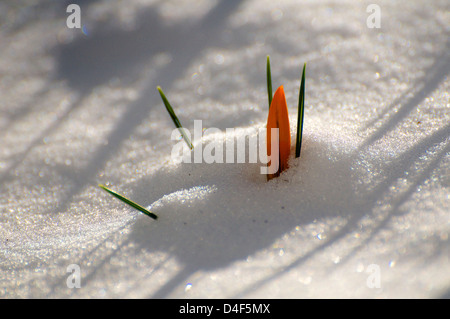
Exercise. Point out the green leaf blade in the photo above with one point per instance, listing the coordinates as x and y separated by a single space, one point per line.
175 118
301 114
129 202
269 82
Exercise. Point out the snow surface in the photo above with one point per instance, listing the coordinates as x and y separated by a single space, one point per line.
80 107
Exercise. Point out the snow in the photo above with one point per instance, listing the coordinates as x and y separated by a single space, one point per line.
369 195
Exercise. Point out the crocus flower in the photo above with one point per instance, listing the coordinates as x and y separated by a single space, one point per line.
278 118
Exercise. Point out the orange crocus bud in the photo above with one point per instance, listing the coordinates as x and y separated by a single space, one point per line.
278 118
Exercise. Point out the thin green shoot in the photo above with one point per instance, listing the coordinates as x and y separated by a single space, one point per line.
175 118
269 82
129 202
301 114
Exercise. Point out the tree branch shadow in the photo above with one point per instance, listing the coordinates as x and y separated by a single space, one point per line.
422 88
